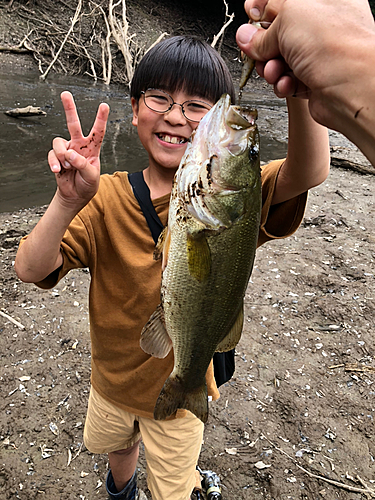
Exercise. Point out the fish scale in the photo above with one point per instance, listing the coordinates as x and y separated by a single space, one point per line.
208 250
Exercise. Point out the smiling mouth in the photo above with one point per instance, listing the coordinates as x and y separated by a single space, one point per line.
172 139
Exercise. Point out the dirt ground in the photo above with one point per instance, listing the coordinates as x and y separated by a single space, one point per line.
297 419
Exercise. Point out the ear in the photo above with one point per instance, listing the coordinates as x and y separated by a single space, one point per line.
135 107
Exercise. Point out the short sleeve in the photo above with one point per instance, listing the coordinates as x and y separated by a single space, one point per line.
283 219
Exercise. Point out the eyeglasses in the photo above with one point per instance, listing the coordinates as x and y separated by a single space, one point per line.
161 102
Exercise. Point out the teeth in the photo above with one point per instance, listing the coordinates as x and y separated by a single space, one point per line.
172 140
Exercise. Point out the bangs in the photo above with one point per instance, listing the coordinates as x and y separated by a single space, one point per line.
183 64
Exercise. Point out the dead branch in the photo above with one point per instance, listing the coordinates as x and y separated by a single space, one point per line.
160 38
121 37
89 58
91 62
15 50
86 43
365 491
106 51
12 320
354 367
74 20
343 163
28 111
224 27
21 48
66 5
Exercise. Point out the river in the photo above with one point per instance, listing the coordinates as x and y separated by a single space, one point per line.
25 179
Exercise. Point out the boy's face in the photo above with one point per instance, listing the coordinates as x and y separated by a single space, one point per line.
164 135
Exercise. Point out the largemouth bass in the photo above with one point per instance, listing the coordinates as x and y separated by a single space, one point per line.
208 250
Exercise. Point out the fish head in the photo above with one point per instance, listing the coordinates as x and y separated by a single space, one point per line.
221 164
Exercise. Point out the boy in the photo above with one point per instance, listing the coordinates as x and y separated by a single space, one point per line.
103 228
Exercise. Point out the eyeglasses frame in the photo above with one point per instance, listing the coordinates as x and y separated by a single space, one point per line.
173 103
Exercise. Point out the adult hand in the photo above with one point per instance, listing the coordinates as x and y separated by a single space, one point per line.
322 50
305 47
76 162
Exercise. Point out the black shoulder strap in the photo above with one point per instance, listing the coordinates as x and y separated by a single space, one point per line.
142 193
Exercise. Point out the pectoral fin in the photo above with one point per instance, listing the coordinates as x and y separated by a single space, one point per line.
233 337
199 256
154 337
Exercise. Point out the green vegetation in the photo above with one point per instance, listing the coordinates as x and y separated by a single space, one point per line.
372 5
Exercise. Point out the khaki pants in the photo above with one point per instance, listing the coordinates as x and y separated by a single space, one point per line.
172 447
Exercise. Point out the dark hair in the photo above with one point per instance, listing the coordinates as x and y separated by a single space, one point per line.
183 63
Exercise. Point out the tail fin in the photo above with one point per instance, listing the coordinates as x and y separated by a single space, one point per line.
174 396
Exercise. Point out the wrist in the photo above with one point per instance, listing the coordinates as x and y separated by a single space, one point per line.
68 208
347 103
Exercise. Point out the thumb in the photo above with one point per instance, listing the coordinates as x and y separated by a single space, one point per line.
257 43
88 172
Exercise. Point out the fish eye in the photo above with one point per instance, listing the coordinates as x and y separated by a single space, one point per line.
253 153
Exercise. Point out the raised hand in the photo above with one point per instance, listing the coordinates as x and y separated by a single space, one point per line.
76 162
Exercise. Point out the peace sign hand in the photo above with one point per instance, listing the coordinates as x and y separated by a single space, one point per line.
76 163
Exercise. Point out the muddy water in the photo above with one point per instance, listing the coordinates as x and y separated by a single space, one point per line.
25 180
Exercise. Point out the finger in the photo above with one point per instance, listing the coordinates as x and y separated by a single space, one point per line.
289 86
257 43
274 69
60 147
87 171
271 9
72 119
255 8
53 162
259 66
263 10
100 124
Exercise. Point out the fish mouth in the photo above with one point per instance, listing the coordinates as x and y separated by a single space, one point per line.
238 122
172 139
241 117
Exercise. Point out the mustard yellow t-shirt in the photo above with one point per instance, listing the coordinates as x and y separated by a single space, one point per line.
110 236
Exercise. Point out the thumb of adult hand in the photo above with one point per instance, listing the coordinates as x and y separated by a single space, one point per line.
257 43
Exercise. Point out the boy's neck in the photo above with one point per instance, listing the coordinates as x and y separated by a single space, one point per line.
159 182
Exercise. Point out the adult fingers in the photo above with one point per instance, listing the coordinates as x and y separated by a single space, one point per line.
259 66
274 69
263 10
255 8
98 129
289 86
285 83
72 119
